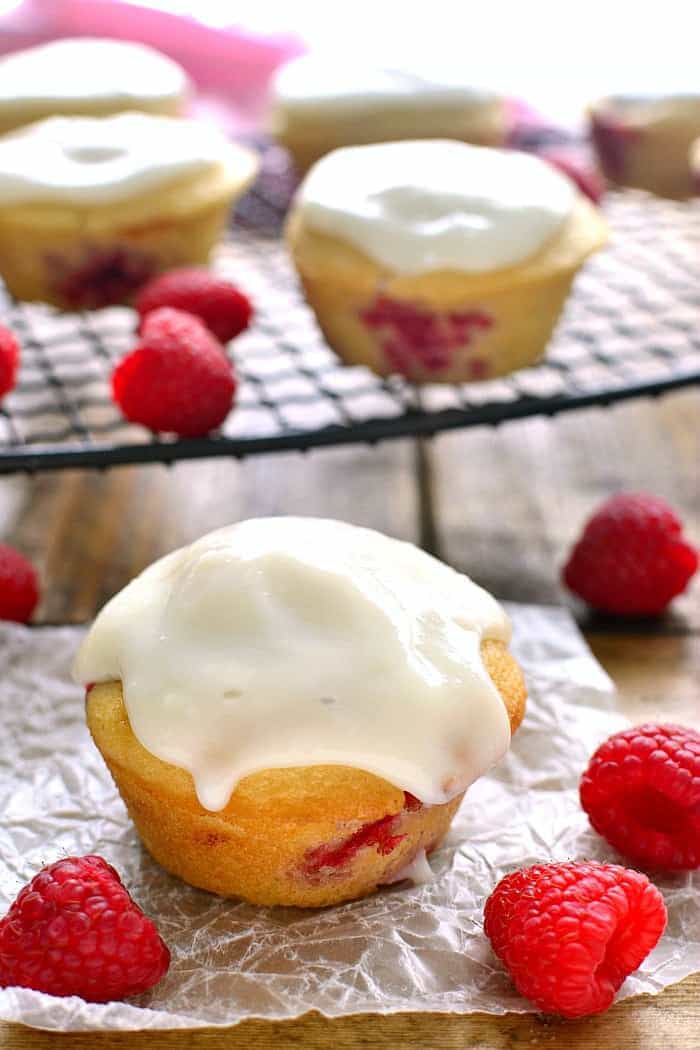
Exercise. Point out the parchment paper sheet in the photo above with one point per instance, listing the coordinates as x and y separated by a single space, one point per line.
407 948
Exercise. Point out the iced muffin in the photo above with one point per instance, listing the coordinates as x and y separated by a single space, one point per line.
320 104
438 260
88 76
292 709
90 208
644 141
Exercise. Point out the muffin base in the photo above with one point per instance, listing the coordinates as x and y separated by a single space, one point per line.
308 836
91 271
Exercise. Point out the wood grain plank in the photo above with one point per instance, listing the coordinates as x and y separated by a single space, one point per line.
89 533
510 502
670 1020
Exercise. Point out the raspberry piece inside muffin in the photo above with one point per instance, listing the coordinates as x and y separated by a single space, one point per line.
415 335
104 276
381 834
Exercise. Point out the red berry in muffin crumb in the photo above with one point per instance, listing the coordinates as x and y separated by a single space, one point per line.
569 934
9 360
19 586
177 378
224 309
74 930
632 558
641 792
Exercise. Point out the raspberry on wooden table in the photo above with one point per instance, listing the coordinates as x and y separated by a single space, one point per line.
19 585
9 360
74 930
177 378
641 792
223 308
632 559
569 934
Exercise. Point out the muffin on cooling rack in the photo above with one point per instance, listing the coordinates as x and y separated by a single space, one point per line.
644 142
88 76
437 260
91 207
292 708
322 103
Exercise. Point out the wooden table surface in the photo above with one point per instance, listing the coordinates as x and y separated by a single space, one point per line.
502 504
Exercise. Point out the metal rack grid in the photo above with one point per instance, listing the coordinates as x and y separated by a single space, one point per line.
631 327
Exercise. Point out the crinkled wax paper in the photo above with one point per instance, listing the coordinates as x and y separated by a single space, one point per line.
407 948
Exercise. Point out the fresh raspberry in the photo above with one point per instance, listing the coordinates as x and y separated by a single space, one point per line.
641 792
569 934
612 139
19 586
9 360
632 559
224 309
578 166
177 378
74 930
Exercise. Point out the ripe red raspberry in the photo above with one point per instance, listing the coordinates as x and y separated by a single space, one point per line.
19 586
632 559
579 167
569 934
641 792
177 378
219 304
74 930
9 360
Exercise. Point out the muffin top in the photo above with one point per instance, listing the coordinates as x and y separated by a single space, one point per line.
428 205
111 73
98 160
640 108
289 642
324 85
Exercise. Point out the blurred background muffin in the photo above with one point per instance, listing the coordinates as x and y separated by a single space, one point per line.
321 102
644 142
84 76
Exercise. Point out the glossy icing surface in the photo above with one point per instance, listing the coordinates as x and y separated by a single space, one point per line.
93 160
284 642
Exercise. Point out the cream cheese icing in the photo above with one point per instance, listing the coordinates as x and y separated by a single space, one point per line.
283 642
108 72
437 204
94 160
315 83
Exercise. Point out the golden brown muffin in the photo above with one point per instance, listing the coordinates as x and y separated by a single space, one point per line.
443 325
644 143
78 250
307 836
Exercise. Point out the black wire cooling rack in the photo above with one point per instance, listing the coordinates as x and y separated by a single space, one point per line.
630 328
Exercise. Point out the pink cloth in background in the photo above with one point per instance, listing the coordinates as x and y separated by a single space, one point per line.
231 67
